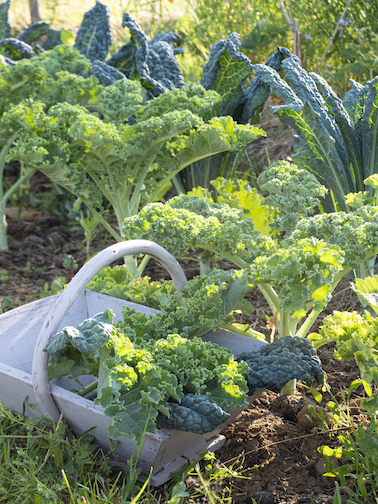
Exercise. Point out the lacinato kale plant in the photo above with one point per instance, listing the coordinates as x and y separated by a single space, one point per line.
336 139
94 36
226 72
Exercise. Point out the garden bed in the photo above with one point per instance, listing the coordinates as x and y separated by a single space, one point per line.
273 438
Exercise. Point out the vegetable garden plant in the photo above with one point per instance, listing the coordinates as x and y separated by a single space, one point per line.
119 132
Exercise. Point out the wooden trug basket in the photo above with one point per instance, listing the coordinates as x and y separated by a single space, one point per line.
24 385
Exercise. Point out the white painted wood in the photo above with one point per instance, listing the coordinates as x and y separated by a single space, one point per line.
97 303
68 298
237 343
19 329
16 390
165 474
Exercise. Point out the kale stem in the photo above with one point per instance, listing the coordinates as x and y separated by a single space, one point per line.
89 388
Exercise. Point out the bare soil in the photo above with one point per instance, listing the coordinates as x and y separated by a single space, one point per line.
273 443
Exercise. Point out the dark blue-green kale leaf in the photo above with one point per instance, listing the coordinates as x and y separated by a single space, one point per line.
94 36
105 73
283 360
258 92
16 49
53 39
225 72
4 22
152 62
34 32
195 413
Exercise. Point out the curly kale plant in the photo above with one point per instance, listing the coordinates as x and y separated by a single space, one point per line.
294 192
45 76
121 161
296 270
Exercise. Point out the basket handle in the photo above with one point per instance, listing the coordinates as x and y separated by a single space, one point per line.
45 402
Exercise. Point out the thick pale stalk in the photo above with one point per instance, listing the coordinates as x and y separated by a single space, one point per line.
290 387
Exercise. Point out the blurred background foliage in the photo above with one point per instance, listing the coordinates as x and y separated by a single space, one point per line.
262 26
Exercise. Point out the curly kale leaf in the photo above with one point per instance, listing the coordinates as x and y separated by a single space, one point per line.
137 378
356 337
294 192
202 368
283 360
191 97
16 49
239 194
204 303
194 414
72 88
19 82
105 73
5 28
117 282
131 388
48 145
302 273
94 36
187 222
34 32
355 233
118 102
225 72
64 58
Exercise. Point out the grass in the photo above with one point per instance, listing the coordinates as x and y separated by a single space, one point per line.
40 464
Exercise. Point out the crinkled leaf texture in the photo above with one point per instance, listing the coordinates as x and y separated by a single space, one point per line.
225 72
94 36
88 337
356 337
16 49
34 31
137 377
193 414
186 222
153 62
283 360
